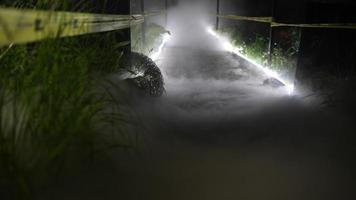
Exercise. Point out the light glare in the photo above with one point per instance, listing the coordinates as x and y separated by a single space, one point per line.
154 56
237 50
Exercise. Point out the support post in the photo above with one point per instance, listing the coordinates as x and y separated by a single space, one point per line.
143 28
217 13
122 7
166 13
271 36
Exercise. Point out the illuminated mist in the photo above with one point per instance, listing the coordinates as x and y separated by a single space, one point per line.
203 78
219 133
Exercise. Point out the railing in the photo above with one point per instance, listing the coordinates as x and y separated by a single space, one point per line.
290 60
19 26
277 24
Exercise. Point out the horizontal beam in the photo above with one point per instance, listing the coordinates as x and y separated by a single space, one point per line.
19 26
155 13
276 24
330 26
245 18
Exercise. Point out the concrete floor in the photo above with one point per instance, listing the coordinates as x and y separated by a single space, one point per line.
219 134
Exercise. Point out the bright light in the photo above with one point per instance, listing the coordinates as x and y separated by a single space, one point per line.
212 32
155 55
290 89
228 46
236 50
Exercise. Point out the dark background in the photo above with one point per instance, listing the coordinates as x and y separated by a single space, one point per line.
322 51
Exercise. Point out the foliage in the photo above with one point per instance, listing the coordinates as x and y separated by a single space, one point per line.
279 61
57 106
285 51
50 104
258 49
255 46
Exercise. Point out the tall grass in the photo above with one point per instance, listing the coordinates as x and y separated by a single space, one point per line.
255 46
56 106
50 105
252 45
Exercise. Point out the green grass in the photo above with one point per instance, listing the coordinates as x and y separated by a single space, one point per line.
257 49
255 46
51 104
57 107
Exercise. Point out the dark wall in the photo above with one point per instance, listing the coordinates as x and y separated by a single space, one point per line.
328 51
289 11
331 51
118 7
136 6
331 12
261 8
155 4
97 6
112 6
246 7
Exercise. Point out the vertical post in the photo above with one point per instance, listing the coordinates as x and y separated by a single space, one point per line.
166 13
143 28
217 14
271 36
122 7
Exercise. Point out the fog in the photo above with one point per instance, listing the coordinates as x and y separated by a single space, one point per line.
220 134
202 78
188 21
